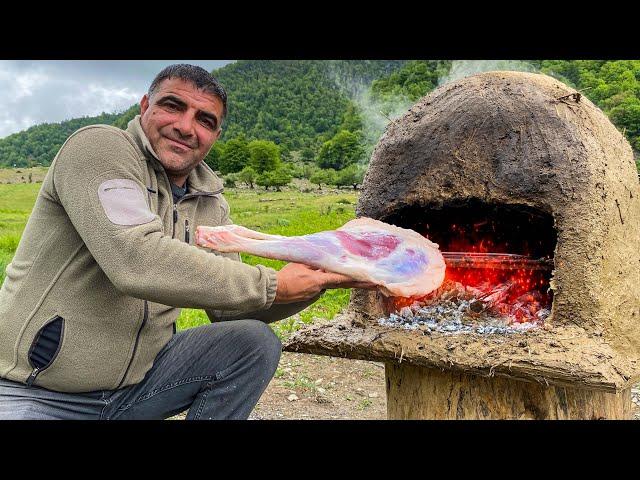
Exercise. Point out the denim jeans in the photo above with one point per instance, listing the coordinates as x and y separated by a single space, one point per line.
216 371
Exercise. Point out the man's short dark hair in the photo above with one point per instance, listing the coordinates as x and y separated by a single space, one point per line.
202 79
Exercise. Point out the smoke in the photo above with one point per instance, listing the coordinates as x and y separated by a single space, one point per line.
464 68
374 113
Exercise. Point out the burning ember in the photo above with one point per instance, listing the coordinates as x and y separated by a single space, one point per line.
486 289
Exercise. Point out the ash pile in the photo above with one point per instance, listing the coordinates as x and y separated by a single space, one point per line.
483 309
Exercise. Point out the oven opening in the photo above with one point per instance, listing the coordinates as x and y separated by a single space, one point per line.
499 264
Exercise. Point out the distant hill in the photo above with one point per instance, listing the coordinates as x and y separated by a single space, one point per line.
38 145
293 103
613 85
299 104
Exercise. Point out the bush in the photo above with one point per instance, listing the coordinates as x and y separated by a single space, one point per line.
341 151
308 169
230 180
276 178
351 176
324 177
296 170
248 175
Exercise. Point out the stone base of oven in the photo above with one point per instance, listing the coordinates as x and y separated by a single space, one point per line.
426 393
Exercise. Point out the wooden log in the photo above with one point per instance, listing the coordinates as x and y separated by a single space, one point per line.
426 393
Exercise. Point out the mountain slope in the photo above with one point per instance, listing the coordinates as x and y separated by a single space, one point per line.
295 103
39 144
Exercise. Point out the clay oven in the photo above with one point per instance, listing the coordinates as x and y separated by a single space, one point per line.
522 165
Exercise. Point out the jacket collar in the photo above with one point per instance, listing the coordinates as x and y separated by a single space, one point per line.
200 180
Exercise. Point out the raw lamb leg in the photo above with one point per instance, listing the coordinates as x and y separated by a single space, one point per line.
402 262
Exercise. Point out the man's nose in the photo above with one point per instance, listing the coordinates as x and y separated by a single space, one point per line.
184 125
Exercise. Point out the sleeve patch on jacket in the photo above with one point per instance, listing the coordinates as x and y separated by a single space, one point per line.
124 203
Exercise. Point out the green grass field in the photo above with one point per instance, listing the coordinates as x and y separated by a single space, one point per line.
289 212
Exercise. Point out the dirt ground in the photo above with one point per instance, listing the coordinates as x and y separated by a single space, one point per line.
320 387
326 388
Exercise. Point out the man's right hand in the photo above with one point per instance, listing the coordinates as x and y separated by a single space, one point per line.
298 282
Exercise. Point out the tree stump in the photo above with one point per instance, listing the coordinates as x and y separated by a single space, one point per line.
426 393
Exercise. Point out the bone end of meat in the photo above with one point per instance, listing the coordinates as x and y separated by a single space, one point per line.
401 261
220 239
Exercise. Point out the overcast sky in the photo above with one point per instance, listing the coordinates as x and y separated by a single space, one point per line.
33 92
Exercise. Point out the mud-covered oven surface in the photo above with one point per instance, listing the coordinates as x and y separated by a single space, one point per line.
535 196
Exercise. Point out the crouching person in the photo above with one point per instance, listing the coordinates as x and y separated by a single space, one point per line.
107 259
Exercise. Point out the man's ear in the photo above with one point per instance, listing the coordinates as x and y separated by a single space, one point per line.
217 136
144 104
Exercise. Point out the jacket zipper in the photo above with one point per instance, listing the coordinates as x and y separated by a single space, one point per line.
186 224
36 370
175 220
173 232
135 346
33 376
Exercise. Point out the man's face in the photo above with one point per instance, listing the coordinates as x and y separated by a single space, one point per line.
181 123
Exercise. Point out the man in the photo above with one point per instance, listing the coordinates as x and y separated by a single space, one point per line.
107 259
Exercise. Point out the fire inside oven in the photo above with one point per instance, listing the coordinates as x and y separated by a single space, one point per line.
499 264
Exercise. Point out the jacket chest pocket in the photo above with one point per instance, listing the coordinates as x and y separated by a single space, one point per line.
45 347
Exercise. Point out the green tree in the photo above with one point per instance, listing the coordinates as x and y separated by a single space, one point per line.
350 176
123 120
235 155
280 177
341 151
293 102
274 178
265 155
231 179
264 180
414 80
351 119
296 170
213 157
627 114
308 169
307 154
323 177
248 175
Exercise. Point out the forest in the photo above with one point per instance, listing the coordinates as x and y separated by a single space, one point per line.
321 119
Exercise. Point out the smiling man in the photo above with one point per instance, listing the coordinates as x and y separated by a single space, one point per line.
106 261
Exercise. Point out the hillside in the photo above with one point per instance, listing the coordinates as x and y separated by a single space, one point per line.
302 104
613 85
293 103
38 145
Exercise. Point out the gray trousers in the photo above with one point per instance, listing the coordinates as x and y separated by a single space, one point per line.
216 371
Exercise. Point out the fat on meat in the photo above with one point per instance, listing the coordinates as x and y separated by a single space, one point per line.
400 261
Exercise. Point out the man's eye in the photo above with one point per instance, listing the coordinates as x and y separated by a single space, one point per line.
209 124
170 106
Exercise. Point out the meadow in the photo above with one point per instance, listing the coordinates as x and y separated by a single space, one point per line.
293 211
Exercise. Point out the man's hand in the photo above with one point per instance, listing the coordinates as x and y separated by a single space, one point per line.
298 282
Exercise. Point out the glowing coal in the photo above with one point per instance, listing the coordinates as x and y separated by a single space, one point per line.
486 289
456 308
